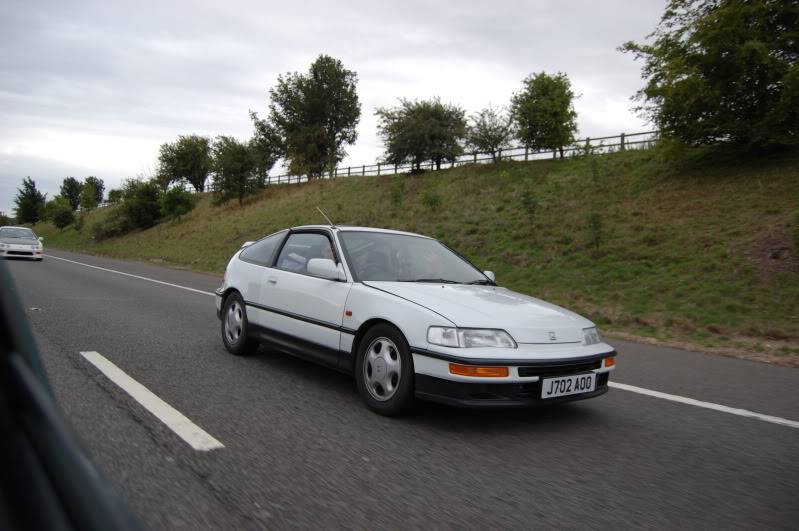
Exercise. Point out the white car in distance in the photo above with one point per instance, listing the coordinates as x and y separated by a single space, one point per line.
409 318
20 242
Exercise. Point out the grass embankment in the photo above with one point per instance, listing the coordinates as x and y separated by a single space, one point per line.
695 252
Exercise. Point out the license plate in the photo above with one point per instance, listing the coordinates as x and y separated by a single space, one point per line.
568 385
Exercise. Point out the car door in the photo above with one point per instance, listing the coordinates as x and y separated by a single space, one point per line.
305 312
255 262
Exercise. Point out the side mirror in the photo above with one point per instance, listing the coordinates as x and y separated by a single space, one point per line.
246 244
491 276
323 268
41 239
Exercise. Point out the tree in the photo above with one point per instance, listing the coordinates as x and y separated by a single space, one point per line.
234 174
141 203
30 202
264 148
70 190
187 158
5 220
92 193
417 131
489 131
315 115
543 112
114 196
723 70
59 211
176 202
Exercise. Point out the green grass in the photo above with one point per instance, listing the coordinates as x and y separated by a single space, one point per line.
641 242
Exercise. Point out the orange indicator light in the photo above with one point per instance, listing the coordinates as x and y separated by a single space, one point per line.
483 372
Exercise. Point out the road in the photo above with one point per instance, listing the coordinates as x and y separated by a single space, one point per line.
301 451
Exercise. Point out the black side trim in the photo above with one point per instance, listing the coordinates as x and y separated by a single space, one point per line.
302 348
303 318
517 362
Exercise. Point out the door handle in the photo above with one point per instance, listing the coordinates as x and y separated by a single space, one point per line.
271 280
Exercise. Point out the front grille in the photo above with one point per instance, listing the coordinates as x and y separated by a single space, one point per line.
20 253
561 367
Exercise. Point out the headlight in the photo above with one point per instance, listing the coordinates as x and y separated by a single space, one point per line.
469 337
4 246
591 336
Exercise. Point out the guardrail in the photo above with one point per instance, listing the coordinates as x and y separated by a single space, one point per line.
604 144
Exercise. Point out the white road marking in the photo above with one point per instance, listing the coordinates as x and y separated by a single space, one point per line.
133 276
625 387
195 436
707 405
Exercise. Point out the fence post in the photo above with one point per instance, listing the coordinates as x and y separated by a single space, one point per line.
499 154
363 170
475 157
348 170
526 153
587 145
378 168
621 145
395 168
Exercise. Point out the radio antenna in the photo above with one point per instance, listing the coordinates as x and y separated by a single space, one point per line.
325 216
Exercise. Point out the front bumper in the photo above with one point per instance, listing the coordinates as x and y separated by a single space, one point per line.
218 298
488 395
29 254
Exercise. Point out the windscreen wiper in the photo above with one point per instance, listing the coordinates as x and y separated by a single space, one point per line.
433 280
481 282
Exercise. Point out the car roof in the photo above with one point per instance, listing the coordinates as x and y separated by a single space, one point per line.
350 228
13 227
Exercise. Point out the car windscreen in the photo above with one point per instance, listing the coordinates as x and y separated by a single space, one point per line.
404 258
17 233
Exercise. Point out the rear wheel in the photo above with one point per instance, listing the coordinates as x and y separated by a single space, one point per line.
235 327
384 370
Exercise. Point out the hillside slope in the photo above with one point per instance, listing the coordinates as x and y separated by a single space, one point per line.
700 250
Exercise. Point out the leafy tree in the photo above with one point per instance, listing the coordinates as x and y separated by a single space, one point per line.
265 146
723 70
234 169
489 131
59 211
92 193
114 196
315 115
30 202
71 189
177 201
417 131
543 112
187 158
141 203
5 220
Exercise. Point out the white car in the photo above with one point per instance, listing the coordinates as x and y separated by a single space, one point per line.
408 317
20 242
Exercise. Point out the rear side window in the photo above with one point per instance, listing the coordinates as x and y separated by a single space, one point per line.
262 251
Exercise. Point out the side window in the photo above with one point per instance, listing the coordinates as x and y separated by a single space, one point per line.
262 251
300 248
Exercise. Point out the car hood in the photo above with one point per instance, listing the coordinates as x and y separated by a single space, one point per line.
527 319
19 241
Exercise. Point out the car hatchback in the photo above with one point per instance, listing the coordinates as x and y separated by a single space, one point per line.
409 318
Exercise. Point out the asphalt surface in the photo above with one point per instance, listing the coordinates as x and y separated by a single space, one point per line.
301 451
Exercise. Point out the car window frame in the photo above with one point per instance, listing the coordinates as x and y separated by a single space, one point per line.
275 252
323 232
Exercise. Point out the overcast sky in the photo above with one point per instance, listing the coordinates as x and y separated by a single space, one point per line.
94 87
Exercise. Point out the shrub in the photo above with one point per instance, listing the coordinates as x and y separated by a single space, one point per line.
431 200
114 196
109 225
79 222
141 205
177 202
595 230
61 214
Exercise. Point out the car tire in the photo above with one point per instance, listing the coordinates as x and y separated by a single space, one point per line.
384 371
235 327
